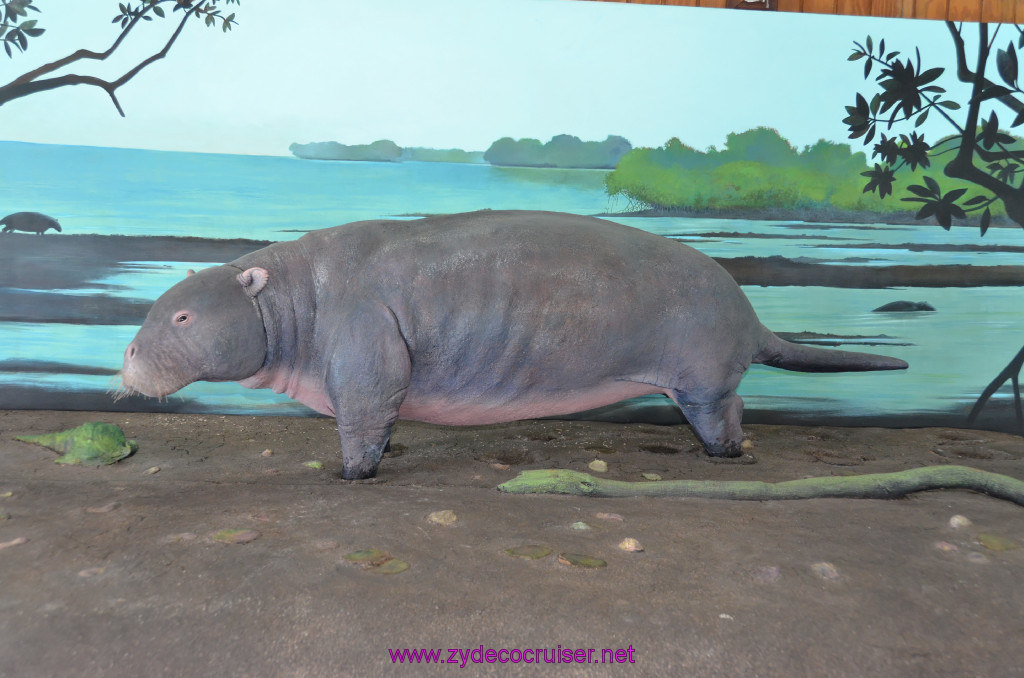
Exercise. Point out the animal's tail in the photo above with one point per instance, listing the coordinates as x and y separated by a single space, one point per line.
776 352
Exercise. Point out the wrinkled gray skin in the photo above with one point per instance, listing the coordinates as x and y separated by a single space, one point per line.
470 319
33 222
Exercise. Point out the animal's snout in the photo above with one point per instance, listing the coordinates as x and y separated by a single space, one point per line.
129 353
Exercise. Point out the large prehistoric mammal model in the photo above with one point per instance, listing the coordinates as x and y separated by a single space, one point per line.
33 222
470 319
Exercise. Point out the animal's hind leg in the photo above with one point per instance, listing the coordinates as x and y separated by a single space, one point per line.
717 423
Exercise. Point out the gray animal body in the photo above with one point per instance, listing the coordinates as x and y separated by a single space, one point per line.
33 222
471 319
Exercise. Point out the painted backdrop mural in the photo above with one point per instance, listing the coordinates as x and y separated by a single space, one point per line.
729 131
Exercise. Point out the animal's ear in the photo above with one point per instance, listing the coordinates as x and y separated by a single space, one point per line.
254 280
189 273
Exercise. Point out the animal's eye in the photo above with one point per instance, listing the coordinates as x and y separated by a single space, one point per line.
181 318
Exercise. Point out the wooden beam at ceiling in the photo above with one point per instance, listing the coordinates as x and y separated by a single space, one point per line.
991 11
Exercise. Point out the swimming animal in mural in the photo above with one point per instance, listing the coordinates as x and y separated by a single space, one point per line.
471 319
33 222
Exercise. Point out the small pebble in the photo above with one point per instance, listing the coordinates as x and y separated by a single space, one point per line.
392 566
14 542
267 453
315 465
529 551
726 616
826 571
958 521
608 516
179 538
151 470
498 466
326 545
993 542
91 571
6 495
977 558
598 466
946 547
445 517
580 560
367 557
106 508
580 525
631 545
769 574
651 476
232 536
747 445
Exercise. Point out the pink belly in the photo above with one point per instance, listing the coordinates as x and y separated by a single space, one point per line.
469 413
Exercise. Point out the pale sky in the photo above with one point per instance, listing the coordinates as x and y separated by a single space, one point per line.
456 73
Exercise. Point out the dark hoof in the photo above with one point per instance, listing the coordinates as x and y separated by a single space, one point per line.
728 450
358 473
742 460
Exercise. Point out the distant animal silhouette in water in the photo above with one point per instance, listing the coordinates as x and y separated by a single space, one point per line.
33 222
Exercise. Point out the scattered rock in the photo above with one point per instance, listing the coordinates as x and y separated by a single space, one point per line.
580 560
608 516
152 470
650 476
904 307
6 495
826 571
747 445
631 545
958 521
367 557
377 560
106 508
728 617
91 571
18 541
946 547
179 538
445 517
977 558
233 536
392 566
267 453
994 542
768 574
315 465
529 551
598 466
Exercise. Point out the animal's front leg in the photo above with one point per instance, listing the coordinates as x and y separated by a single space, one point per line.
361 450
369 376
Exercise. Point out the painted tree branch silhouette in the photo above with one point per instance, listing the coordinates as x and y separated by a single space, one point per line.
907 93
15 35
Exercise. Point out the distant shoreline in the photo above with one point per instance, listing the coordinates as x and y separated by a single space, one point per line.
805 214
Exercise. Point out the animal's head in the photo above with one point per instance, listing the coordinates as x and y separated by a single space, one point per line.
205 328
56 225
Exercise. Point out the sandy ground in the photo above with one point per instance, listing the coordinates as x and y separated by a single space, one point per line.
120 575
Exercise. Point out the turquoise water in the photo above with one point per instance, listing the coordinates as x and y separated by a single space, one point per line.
953 353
